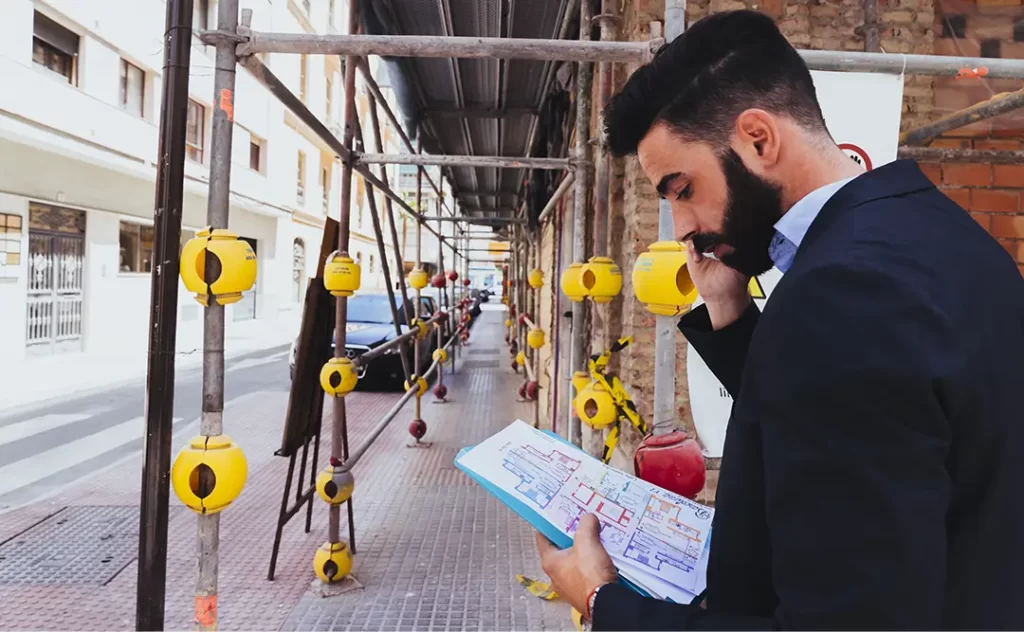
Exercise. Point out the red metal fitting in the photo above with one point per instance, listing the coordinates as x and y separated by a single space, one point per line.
466 282
438 281
522 389
453 276
418 428
440 391
522 318
671 461
532 391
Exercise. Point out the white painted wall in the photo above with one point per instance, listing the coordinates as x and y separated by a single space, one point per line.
73 145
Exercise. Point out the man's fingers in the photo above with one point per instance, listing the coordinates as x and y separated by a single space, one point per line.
544 545
589 530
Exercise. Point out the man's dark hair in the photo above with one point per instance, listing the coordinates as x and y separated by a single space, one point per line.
700 83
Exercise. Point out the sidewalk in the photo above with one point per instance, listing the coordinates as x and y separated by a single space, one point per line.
36 380
434 550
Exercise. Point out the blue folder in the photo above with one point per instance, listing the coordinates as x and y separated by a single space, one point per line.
531 515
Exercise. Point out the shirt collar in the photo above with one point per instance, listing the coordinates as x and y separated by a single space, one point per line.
794 223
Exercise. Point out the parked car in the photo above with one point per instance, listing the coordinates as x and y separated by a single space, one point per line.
370 325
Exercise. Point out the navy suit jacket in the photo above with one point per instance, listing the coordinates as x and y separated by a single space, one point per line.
873 469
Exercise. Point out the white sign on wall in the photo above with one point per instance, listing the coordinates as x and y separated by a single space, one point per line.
862 112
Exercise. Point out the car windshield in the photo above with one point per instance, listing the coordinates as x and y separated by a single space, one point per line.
369 309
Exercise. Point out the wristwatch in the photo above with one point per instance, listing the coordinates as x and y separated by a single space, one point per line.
588 622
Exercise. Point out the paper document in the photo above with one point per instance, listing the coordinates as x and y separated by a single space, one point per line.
658 540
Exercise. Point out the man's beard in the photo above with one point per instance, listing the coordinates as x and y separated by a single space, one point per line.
752 208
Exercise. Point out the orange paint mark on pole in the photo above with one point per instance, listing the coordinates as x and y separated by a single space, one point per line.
227 103
206 612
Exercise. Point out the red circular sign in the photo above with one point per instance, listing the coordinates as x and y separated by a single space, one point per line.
857 154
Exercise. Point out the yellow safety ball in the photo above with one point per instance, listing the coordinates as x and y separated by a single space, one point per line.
440 356
535 338
602 279
536 278
508 322
338 377
421 326
521 358
209 473
577 619
335 485
420 384
418 279
579 380
661 279
572 285
595 407
341 274
237 263
332 562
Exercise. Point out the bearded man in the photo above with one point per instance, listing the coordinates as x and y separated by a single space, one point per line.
874 460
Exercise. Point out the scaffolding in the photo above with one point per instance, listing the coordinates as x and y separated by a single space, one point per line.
584 176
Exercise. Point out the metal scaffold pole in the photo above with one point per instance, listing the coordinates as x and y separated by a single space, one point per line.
218 207
417 352
665 331
584 81
163 319
339 420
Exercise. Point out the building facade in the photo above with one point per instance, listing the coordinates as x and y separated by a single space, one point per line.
78 147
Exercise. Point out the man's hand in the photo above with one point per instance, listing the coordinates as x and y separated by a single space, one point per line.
577 571
723 289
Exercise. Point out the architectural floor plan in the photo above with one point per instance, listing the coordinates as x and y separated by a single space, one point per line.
655 538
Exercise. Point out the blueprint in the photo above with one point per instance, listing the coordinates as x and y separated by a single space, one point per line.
656 539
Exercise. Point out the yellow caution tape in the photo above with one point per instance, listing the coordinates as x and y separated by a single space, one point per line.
624 405
537 588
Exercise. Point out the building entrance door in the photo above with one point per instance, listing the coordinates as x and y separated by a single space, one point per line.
56 261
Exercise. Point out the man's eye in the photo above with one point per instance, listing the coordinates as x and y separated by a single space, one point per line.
686 192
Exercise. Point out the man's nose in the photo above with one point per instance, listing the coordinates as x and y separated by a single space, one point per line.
683 223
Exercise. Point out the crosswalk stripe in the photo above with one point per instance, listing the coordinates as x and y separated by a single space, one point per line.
36 425
38 466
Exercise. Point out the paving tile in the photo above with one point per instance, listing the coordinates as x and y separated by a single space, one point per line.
435 552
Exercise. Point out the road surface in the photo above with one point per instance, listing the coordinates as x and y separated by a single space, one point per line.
44 449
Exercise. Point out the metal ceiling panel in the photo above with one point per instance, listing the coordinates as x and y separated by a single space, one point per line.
442 84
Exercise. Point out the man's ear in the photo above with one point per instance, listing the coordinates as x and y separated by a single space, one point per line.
757 137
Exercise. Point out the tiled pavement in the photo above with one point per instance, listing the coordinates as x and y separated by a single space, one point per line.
434 550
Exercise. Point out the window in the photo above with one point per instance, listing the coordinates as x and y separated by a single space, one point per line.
136 248
133 88
300 184
330 101
954 26
298 269
255 153
991 48
307 5
371 264
330 13
201 15
303 66
359 258
325 185
360 197
10 245
1018 31
195 131
54 48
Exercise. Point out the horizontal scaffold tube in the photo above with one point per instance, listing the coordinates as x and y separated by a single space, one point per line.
499 162
358 453
449 47
373 353
596 51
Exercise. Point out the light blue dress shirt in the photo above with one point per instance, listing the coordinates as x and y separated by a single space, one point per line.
790 230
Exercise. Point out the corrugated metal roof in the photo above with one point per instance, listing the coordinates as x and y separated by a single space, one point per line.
458 84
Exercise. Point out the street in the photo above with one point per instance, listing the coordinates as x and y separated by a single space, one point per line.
42 450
